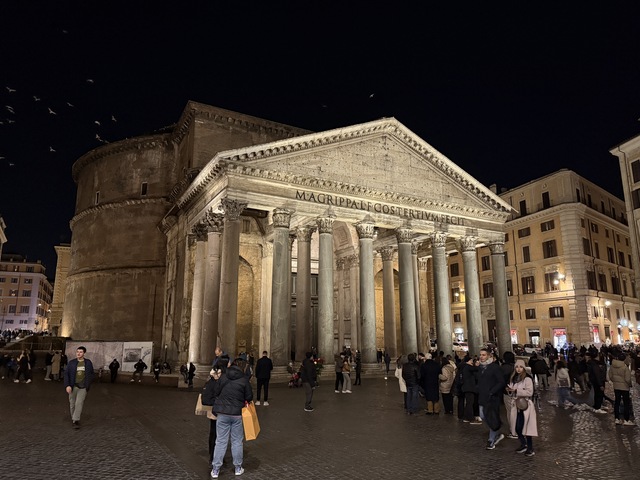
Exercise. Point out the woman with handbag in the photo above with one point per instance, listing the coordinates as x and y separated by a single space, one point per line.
523 413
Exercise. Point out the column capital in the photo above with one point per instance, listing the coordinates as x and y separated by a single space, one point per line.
281 218
387 253
366 228
303 234
422 263
353 260
438 239
340 263
404 234
467 244
214 222
292 238
199 230
325 223
496 248
415 245
232 208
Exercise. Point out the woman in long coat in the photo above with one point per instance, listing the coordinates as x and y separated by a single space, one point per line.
521 386
447 377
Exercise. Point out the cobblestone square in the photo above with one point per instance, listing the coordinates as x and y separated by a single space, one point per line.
132 431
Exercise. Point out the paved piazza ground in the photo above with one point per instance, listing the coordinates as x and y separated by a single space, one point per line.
132 431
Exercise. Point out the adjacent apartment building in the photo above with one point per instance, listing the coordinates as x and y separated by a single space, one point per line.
570 275
25 294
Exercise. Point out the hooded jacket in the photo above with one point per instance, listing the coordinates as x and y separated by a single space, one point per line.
231 392
620 375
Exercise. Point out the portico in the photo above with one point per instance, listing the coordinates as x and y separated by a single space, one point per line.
362 202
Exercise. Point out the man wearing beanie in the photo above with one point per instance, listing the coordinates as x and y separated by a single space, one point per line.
490 386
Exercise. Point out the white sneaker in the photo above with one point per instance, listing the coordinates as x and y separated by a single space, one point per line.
16 381
618 421
28 381
258 402
629 423
478 419
47 379
599 411
266 404
347 391
337 391
344 391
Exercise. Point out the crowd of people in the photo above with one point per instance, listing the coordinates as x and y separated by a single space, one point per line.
20 367
483 384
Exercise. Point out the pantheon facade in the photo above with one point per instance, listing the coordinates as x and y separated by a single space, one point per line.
233 230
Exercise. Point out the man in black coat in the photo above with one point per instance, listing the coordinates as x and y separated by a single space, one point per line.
309 378
113 367
490 386
263 374
411 377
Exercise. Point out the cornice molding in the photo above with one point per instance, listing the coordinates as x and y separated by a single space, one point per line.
114 205
215 170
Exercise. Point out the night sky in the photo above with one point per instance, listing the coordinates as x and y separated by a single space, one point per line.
509 91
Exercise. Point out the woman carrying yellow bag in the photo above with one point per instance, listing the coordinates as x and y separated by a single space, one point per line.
231 391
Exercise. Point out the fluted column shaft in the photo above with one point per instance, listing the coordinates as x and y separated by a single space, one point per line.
467 246
209 337
500 297
280 296
197 297
441 292
303 293
365 231
407 290
325 288
416 295
389 302
228 303
354 301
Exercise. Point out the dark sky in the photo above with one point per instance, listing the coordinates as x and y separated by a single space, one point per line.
510 91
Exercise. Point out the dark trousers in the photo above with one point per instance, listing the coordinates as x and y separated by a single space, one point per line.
447 401
598 397
114 374
212 439
461 406
471 408
263 382
358 379
308 392
626 400
339 381
524 441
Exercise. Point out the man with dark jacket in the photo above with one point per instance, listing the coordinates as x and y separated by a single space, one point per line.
490 386
77 380
469 388
139 369
113 367
309 378
263 374
231 391
430 382
598 380
411 377
540 368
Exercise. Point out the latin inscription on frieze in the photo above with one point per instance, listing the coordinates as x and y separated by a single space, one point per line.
376 207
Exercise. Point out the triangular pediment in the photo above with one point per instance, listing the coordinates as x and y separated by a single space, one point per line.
382 156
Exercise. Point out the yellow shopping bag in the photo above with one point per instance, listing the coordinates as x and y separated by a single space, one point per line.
250 422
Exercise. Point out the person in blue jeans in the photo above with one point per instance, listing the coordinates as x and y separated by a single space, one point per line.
231 391
411 376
